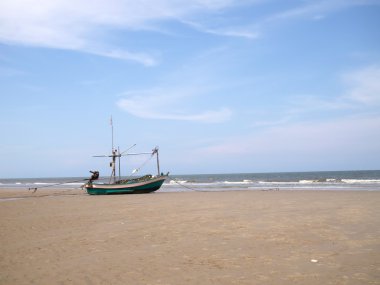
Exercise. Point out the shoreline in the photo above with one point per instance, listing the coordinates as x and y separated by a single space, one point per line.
322 180
15 192
227 237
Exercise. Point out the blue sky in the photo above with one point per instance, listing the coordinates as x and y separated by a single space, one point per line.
220 86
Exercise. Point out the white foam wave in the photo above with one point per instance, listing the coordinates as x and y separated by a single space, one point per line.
360 181
237 182
177 181
278 182
307 181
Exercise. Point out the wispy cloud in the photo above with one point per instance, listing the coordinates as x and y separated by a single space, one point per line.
151 104
240 32
139 57
83 24
317 10
364 85
359 95
305 10
78 26
312 10
339 143
361 92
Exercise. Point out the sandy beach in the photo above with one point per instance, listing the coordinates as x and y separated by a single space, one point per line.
64 236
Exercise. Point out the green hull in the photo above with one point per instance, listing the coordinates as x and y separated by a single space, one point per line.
126 188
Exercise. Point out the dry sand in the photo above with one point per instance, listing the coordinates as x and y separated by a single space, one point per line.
237 237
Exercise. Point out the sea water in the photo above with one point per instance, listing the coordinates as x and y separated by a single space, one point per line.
324 180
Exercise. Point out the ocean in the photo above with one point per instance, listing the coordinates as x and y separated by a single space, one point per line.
323 180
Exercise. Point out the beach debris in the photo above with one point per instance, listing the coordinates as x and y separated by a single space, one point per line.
314 260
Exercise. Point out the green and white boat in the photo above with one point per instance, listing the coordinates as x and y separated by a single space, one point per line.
144 184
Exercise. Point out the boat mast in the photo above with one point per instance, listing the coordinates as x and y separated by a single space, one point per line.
112 132
158 162
113 165
118 149
113 151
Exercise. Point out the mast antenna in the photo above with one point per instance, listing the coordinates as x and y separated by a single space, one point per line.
111 130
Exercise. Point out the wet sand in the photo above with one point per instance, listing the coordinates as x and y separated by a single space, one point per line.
238 237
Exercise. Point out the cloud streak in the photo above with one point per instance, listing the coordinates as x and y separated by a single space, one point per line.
65 25
240 32
310 10
83 24
331 144
317 10
150 104
360 95
364 85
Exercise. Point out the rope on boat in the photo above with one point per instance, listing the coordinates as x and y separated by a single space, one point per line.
175 180
36 188
142 165
46 195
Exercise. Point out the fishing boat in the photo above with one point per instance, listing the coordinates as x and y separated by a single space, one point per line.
144 184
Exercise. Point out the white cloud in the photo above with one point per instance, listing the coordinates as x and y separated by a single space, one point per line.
317 10
364 85
81 25
307 10
76 26
152 104
339 128
346 143
361 95
241 32
143 58
362 91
